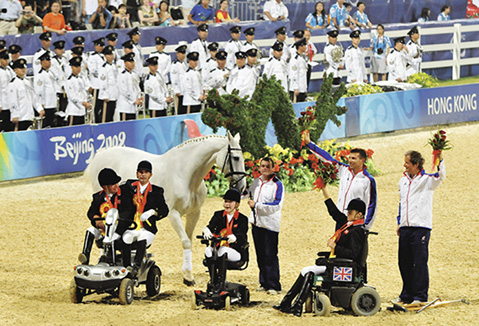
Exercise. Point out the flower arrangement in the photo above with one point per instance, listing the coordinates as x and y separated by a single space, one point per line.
326 175
423 79
306 122
438 143
362 89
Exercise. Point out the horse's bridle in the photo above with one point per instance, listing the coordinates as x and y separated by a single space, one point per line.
228 159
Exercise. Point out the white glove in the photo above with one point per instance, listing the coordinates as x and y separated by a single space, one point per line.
231 238
146 215
207 233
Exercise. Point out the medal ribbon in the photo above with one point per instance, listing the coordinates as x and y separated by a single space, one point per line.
140 203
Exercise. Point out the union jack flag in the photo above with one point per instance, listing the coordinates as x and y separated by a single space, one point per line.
343 274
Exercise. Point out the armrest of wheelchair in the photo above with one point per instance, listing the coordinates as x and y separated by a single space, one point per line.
324 254
341 260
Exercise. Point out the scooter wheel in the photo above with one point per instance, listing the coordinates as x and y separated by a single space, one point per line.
245 297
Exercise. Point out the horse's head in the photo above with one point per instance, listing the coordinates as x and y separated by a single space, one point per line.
232 163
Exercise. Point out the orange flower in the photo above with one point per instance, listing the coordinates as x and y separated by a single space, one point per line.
207 176
314 166
370 153
293 161
318 184
276 168
249 164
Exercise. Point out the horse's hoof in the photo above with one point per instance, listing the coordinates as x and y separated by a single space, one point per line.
189 283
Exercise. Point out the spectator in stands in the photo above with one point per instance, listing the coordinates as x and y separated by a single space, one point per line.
89 7
425 12
380 44
122 18
338 14
317 19
27 20
361 17
222 15
350 21
445 11
164 15
41 7
101 17
54 21
147 14
132 9
275 10
9 14
114 13
202 13
186 6
77 20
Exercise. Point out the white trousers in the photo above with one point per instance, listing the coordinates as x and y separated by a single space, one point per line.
131 236
96 232
317 270
233 255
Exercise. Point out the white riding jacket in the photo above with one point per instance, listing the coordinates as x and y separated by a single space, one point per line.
269 197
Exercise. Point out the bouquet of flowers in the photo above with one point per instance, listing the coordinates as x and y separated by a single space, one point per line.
438 143
307 122
326 174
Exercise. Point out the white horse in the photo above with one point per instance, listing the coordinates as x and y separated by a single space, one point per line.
180 172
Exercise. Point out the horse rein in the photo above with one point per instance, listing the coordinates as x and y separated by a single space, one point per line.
228 159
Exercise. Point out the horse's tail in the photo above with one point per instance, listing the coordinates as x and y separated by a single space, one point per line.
86 175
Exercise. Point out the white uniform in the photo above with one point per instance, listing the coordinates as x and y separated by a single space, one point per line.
205 72
193 87
414 58
138 60
275 9
217 80
155 88
297 70
129 92
95 62
58 71
269 198
177 71
44 85
331 65
231 48
108 82
397 65
77 92
201 47
22 100
243 79
36 64
164 63
248 46
286 53
5 78
355 65
277 68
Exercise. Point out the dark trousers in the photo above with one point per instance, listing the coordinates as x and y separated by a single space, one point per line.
74 120
98 109
413 255
110 111
5 123
300 98
181 108
24 125
266 247
62 101
157 113
48 118
127 116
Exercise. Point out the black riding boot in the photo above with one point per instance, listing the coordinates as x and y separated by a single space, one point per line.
221 268
297 308
126 254
84 257
140 253
285 305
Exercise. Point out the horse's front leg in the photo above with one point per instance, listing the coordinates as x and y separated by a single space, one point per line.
175 220
191 221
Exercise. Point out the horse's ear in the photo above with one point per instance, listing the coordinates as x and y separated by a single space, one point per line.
238 137
228 133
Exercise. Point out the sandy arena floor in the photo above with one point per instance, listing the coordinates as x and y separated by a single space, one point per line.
44 224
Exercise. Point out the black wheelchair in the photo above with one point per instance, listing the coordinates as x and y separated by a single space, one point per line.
344 284
219 293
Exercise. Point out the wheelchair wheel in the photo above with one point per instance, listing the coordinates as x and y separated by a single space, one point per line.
76 294
321 304
365 301
153 281
126 291
245 297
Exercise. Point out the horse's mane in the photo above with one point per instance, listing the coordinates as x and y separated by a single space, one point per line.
198 139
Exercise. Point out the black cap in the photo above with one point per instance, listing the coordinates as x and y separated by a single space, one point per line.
4 55
252 52
300 43
2 44
358 205
79 40
112 37
160 40
128 44
76 61
334 33
278 46
152 61
193 56
213 46
78 50
134 31
108 177
144 165
128 57
20 63
413 30
59 45
109 49
400 40
235 29
281 30
355 34
221 55
14 49
99 42
299 33
233 195
249 31
45 56
202 28
181 49
46 36
240 55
